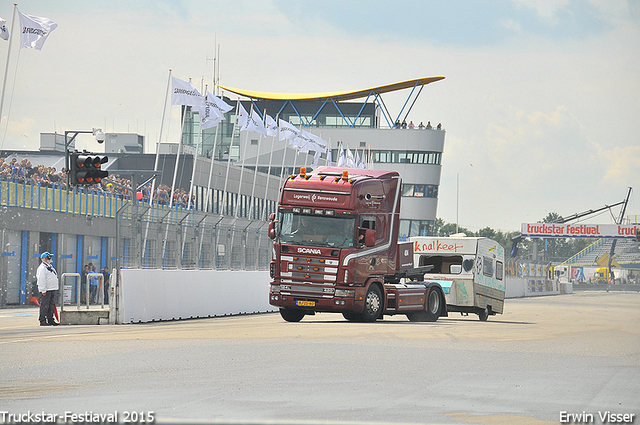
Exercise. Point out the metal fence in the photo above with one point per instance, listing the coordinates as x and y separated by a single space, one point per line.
155 236
171 239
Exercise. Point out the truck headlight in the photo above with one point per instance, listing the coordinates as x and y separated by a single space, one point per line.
344 293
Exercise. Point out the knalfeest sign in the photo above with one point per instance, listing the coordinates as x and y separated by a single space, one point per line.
564 230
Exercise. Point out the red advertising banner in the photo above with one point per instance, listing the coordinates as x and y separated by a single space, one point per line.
564 230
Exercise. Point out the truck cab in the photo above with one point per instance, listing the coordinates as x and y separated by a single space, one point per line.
336 249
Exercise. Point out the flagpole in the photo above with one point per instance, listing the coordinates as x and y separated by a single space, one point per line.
195 162
213 153
266 188
155 166
175 171
226 179
327 162
295 159
284 155
6 68
193 175
244 157
159 142
255 171
175 174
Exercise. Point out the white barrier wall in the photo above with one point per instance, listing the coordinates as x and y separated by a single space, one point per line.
149 295
514 287
534 287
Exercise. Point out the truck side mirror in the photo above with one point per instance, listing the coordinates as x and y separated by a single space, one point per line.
272 229
369 237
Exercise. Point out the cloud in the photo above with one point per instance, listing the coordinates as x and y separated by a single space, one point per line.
622 165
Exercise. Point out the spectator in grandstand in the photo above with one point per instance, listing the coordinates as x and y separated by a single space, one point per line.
411 125
397 124
421 126
429 125
439 126
404 124
24 172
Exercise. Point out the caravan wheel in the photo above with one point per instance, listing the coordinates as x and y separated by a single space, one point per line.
483 314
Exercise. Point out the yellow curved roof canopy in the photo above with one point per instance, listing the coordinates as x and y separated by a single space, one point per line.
339 95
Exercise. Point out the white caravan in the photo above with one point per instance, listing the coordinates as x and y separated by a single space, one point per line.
470 271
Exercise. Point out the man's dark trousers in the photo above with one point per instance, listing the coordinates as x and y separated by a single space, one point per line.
47 304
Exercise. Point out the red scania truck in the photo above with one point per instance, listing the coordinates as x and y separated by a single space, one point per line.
336 250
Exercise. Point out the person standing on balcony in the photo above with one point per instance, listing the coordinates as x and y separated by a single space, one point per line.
47 278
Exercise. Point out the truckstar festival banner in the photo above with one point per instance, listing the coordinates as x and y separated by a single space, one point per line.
564 230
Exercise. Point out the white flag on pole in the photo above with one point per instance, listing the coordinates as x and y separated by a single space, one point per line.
351 163
184 93
287 131
243 116
271 126
35 30
219 105
363 163
321 143
316 159
341 158
254 123
4 32
210 117
315 142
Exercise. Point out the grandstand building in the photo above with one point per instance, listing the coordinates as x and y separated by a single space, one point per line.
355 120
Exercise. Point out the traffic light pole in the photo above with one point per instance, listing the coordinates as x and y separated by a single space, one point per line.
96 132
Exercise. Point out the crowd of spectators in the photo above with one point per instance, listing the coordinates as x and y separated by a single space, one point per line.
403 125
24 172
115 185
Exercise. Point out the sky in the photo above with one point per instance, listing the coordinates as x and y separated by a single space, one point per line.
540 103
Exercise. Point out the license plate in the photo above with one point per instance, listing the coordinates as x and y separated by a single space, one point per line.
303 303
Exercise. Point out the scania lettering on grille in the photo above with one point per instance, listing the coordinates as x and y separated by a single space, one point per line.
309 251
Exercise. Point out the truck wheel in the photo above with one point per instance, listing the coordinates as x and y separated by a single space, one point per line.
416 316
431 314
372 304
291 314
483 314
352 317
434 304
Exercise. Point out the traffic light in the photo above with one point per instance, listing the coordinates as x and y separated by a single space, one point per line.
85 168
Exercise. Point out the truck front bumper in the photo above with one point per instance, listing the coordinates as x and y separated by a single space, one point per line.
335 304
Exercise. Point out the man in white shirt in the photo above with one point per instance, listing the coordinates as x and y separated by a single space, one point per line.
47 286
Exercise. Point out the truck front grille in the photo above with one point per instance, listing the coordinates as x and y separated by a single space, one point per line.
308 276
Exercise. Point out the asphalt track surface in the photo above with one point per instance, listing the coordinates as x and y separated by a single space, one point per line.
577 353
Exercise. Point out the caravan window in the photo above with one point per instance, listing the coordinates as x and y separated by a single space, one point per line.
487 266
442 264
499 270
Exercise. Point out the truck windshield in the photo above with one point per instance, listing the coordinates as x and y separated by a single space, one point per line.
335 232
